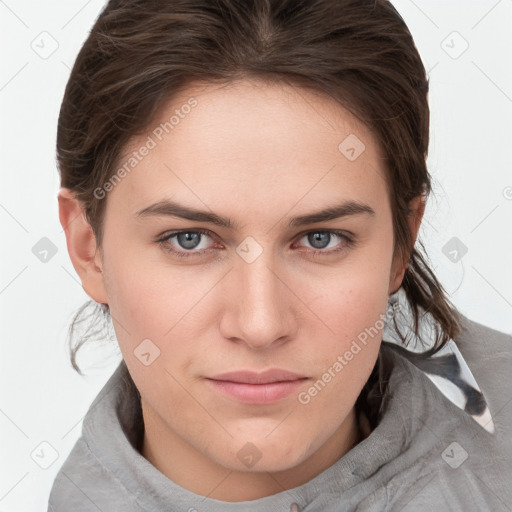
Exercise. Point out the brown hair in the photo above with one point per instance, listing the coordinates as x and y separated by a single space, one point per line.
359 52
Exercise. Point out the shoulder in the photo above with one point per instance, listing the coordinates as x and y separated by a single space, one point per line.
476 337
488 353
82 484
465 466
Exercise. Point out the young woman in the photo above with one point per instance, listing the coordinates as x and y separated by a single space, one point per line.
243 183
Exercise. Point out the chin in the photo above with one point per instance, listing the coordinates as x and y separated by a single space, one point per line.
263 455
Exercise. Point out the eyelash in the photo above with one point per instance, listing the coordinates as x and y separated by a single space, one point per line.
349 242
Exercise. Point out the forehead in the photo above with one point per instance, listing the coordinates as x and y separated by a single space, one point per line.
254 141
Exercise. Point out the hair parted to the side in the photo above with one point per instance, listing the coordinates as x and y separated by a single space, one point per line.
140 53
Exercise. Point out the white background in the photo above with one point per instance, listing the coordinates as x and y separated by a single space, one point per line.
42 399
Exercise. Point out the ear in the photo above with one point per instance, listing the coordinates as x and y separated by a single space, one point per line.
82 247
416 211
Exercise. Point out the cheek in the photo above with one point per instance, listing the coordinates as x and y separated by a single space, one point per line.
357 294
357 324
353 305
359 305
145 294
150 300
344 361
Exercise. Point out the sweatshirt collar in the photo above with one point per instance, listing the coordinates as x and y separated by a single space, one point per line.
447 369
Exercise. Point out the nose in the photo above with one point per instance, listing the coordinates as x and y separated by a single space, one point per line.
259 307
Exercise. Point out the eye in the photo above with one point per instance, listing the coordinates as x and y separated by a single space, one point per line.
190 243
185 243
327 242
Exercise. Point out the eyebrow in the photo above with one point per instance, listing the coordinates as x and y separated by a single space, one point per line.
173 209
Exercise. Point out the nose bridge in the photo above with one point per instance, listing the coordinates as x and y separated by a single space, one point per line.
260 285
263 309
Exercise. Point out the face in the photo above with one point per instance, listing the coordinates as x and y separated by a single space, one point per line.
255 283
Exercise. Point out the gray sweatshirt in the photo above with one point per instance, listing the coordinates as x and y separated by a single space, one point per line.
435 448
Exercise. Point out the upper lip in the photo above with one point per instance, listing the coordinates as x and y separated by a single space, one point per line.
266 377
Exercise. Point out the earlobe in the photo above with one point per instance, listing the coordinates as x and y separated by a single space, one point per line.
82 246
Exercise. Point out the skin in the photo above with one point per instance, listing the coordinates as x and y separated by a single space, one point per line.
259 154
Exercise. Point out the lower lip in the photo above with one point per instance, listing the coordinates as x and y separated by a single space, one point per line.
257 393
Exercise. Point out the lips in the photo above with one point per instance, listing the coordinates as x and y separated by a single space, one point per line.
257 388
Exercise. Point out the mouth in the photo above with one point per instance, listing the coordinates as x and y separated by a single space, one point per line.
257 388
